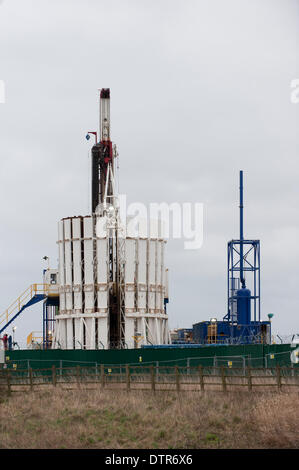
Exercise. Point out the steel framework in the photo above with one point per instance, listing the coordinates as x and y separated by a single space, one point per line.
50 307
251 267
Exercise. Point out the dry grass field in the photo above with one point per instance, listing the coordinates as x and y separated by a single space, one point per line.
55 419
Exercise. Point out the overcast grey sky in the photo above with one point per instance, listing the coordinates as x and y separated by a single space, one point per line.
199 90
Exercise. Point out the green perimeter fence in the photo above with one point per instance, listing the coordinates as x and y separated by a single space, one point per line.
231 357
163 378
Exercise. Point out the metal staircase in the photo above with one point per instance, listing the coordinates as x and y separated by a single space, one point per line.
35 293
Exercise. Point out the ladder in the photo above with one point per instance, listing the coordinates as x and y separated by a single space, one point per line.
33 294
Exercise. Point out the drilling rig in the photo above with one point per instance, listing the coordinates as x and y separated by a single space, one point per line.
104 204
112 283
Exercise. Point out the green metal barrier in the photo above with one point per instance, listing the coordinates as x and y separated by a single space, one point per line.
237 356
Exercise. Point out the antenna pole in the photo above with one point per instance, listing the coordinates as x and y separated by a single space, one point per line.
241 232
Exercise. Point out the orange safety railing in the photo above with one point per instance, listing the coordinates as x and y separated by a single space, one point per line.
23 299
34 338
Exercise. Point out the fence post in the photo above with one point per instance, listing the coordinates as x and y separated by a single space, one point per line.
177 378
30 379
54 375
214 365
249 379
223 378
153 378
202 384
78 375
8 381
278 374
128 376
102 376
188 365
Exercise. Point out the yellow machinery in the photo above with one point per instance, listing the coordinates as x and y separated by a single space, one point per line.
212 333
34 340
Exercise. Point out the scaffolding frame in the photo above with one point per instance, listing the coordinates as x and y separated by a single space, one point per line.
251 247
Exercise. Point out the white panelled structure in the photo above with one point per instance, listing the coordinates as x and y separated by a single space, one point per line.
85 318
112 279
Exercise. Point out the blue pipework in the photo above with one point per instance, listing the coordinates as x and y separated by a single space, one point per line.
243 258
49 312
242 280
243 295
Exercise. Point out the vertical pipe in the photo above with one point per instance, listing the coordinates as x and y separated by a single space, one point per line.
241 231
46 324
254 292
232 286
259 283
44 337
228 279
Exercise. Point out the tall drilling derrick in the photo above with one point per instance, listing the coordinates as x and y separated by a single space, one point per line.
113 283
104 203
102 154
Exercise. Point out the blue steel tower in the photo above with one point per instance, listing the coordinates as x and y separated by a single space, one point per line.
243 260
242 323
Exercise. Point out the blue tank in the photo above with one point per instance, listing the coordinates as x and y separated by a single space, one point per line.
244 306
